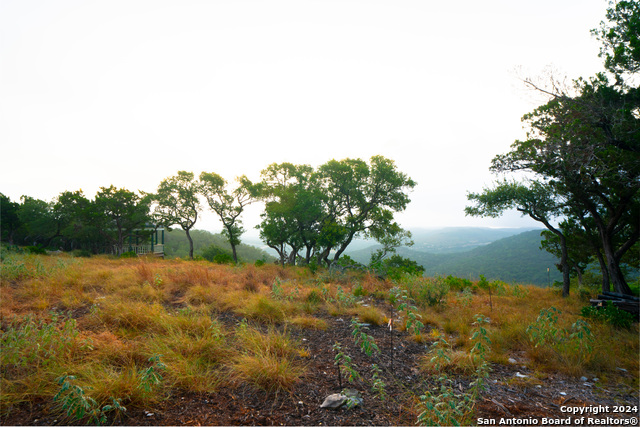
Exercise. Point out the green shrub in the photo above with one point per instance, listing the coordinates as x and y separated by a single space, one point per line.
359 291
37 250
395 267
314 297
129 254
83 253
458 284
216 254
609 313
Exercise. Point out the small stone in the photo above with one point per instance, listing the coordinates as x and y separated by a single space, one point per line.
519 375
621 369
562 393
583 379
334 401
348 397
595 380
512 361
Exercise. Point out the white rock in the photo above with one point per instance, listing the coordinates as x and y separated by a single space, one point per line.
562 393
348 397
334 401
583 379
519 375
512 361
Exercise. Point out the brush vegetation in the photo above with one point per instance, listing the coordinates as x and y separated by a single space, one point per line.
90 338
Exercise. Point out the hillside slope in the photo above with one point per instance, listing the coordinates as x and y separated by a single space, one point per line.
458 239
177 245
512 259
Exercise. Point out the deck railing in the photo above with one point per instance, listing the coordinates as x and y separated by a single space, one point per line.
140 249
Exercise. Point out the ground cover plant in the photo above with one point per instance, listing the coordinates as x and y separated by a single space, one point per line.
135 341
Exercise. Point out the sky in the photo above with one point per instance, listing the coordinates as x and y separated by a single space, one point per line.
129 92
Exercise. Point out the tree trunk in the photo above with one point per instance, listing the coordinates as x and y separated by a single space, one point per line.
344 246
613 266
307 257
564 254
190 243
324 256
606 284
233 251
566 280
280 251
579 274
293 255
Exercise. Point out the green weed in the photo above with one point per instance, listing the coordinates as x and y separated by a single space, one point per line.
77 405
366 342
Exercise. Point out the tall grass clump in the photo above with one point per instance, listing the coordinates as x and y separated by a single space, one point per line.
130 318
425 291
194 355
264 309
267 361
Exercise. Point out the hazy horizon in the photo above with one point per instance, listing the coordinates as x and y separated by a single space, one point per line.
127 93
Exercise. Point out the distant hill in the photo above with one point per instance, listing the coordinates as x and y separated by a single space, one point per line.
513 259
177 245
458 239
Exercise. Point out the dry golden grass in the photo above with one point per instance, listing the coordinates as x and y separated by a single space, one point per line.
133 309
370 314
459 362
267 361
263 309
309 322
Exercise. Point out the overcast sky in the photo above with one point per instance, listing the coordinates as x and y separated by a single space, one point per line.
94 93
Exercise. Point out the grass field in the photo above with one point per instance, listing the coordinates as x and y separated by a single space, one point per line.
85 338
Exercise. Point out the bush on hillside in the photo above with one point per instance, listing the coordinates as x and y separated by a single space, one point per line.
216 254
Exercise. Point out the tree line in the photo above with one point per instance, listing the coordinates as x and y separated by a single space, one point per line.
582 159
72 221
310 215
